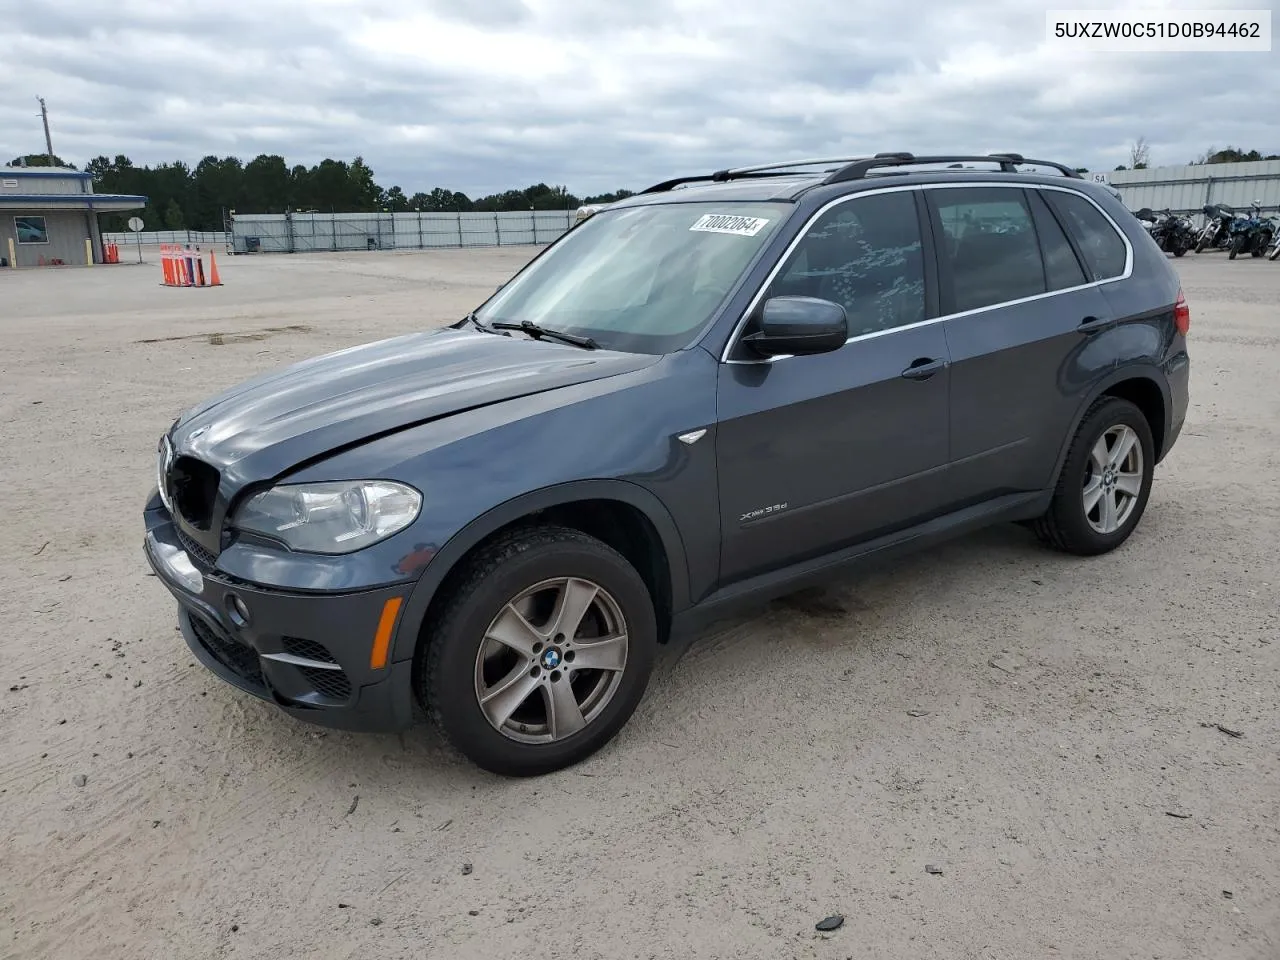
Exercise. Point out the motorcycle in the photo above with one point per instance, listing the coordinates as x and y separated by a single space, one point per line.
1217 227
1245 233
1267 240
1171 232
1177 234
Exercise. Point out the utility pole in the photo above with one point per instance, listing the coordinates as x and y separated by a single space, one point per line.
48 140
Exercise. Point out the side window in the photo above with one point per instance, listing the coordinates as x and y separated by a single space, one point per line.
1062 268
988 246
864 254
1100 245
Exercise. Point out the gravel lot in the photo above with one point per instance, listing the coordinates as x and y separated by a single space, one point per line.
1043 730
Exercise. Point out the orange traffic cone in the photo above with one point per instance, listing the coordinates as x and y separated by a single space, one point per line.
214 281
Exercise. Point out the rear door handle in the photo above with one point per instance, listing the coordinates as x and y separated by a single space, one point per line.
1091 325
923 369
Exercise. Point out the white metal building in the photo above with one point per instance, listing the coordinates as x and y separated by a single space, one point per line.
47 214
1189 189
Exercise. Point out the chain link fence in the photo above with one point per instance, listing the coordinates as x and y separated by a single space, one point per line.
306 232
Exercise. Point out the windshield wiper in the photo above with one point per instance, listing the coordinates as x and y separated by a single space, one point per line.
538 332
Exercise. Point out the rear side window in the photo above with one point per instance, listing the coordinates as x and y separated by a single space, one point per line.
1062 268
1102 248
989 246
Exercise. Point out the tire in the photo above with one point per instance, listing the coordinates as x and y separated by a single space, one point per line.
1201 245
1235 249
461 663
1180 249
1275 253
1067 526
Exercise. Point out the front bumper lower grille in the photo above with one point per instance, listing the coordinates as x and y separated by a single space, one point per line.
236 657
199 555
329 683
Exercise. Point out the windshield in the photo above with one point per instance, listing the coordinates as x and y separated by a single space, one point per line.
644 279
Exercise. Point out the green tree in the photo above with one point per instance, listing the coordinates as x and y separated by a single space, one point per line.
395 201
40 160
1232 155
173 219
266 186
364 191
623 194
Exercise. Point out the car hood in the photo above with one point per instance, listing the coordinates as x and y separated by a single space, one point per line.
273 423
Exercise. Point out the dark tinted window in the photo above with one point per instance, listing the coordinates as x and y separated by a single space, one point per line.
865 255
1062 268
989 242
1100 245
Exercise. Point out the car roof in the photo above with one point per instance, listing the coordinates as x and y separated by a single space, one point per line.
771 183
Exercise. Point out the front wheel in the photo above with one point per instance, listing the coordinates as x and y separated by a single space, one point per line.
1201 245
540 651
1275 252
1105 481
1236 247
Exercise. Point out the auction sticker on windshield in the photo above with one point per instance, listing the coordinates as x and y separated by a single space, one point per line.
728 223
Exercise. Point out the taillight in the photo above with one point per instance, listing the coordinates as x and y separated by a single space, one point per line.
1181 315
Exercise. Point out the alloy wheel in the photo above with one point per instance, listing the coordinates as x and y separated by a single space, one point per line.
551 660
1113 480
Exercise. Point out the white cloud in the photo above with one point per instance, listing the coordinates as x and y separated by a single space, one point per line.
482 95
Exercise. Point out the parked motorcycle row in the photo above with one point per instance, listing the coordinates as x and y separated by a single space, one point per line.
1224 229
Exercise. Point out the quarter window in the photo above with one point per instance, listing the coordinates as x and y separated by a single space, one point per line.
1062 269
864 254
989 246
1100 245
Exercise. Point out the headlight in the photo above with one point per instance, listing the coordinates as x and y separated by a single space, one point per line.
164 458
339 517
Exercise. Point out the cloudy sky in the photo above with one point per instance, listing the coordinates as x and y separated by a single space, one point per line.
482 95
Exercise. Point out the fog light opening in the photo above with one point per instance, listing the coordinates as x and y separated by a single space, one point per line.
237 610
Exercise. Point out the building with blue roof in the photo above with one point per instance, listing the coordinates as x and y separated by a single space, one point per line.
47 214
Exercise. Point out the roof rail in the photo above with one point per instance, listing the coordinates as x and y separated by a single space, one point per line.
856 168
1008 162
778 169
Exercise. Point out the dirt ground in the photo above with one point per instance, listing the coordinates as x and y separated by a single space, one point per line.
1042 730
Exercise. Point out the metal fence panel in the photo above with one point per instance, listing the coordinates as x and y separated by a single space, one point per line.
303 232
193 237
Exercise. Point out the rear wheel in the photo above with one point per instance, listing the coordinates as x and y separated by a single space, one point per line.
1105 481
540 652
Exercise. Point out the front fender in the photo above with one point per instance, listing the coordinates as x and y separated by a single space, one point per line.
457 547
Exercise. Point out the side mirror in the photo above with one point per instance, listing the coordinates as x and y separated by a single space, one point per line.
798 326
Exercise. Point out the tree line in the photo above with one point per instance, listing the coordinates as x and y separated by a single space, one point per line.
1140 156
183 197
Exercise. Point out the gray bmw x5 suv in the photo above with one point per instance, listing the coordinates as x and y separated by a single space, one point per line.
722 389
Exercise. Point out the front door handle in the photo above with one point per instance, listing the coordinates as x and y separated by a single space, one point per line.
923 368
1091 325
